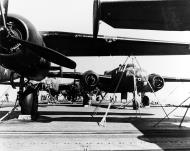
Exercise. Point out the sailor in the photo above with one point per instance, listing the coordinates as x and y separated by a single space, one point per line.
6 97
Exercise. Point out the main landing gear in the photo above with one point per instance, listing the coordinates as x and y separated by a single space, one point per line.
28 100
145 100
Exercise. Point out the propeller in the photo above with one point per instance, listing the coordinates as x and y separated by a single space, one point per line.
4 9
96 17
47 53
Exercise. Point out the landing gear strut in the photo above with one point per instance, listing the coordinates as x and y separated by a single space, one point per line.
28 100
85 99
135 105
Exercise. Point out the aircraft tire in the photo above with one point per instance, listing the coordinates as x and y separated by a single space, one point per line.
29 103
135 105
85 99
145 101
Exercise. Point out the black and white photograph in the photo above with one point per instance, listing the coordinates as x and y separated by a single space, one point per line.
94 75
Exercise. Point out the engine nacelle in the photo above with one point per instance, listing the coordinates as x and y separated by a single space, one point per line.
156 82
90 79
32 65
24 29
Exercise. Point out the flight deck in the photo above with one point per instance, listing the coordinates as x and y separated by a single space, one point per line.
72 127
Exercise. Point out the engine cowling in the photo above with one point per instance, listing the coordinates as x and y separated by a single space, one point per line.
156 81
23 27
90 79
32 65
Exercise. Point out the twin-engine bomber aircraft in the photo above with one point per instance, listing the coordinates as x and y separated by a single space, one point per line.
23 50
125 78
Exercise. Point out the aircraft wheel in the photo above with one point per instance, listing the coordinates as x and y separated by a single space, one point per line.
29 103
85 99
135 105
145 101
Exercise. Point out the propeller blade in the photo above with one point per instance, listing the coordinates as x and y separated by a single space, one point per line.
96 17
4 10
47 53
5 5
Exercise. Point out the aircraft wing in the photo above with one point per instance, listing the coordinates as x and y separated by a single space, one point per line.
78 75
175 79
144 14
74 75
71 75
76 44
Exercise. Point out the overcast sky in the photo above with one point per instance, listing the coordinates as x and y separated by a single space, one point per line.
76 16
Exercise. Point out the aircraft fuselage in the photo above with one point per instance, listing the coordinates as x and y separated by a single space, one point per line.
123 81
